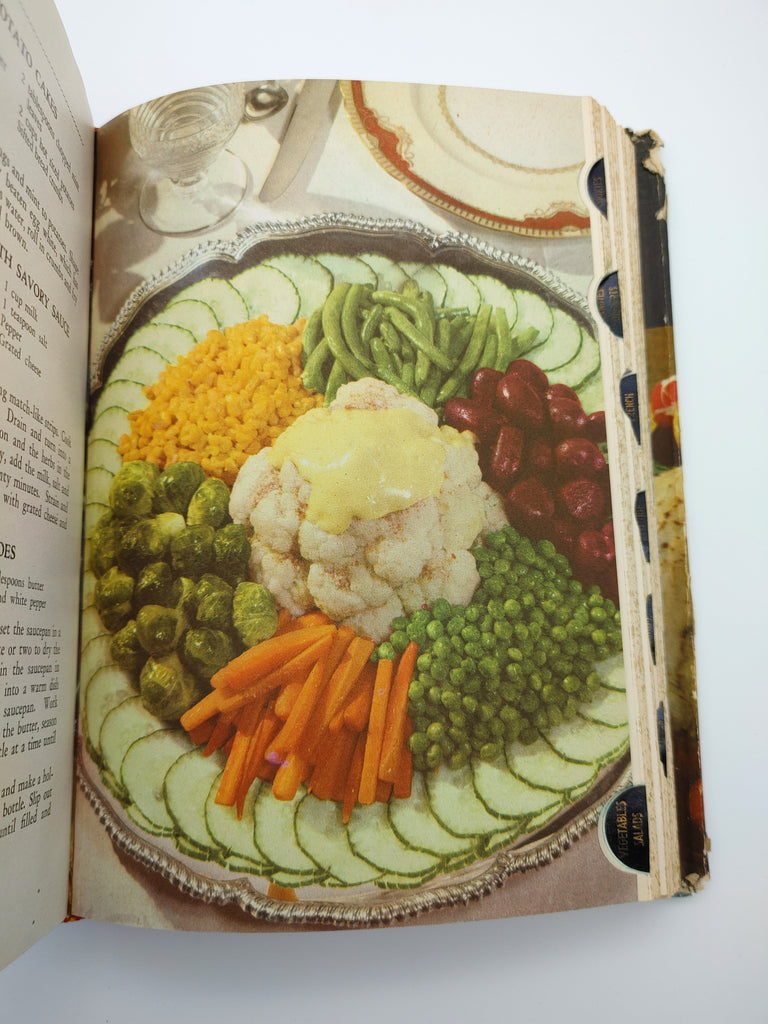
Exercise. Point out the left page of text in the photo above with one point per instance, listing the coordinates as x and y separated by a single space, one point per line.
46 162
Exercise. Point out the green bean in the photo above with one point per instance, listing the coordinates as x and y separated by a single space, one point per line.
336 378
312 333
490 350
469 360
313 377
504 353
332 313
419 340
381 355
350 323
371 324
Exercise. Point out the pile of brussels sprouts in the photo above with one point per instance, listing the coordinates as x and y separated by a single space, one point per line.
170 567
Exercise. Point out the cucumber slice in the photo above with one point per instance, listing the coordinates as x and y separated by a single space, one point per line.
457 807
460 291
142 365
143 822
267 291
588 742
412 821
235 835
505 795
275 837
372 838
583 366
91 626
561 347
428 279
311 279
612 674
107 688
145 765
88 593
168 341
126 394
187 785
111 424
95 655
322 835
540 765
390 880
92 513
390 276
347 268
592 393
609 707
104 454
122 726
228 305
190 314
496 293
532 312
98 483
501 840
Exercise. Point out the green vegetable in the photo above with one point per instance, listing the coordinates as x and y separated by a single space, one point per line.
511 665
254 614
167 688
231 552
213 602
132 491
205 651
209 505
105 544
148 540
113 588
158 628
154 585
176 485
126 650
192 551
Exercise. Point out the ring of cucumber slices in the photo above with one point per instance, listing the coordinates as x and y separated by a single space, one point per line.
148 777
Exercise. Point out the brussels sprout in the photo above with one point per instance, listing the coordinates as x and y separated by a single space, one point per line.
192 551
148 540
231 551
116 616
105 543
159 629
176 485
208 650
183 597
167 688
113 588
209 504
213 602
132 491
126 650
154 585
254 614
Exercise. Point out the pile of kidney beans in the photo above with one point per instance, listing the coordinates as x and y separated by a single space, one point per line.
540 450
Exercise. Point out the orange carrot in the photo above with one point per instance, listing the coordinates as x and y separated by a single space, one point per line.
397 714
284 619
332 765
382 686
358 708
220 733
279 892
403 780
286 698
339 685
255 663
315 618
231 778
353 778
289 776
202 733
290 735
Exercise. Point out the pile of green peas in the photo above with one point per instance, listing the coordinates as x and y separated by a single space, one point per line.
515 662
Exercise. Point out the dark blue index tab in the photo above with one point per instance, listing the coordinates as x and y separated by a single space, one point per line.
641 518
596 187
623 831
629 400
608 300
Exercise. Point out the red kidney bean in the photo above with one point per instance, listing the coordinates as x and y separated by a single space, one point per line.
530 507
484 383
583 500
557 391
578 456
519 403
539 459
468 414
524 369
596 427
506 457
567 417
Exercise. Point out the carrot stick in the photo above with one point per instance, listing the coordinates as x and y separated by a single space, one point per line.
202 733
339 685
358 709
287 697
315 618
284 619
353 778
382 686
383 791
220 733
289 776
403 780
332 765
397 714
266 656
230 780
279 892
257 763
206 708
289 737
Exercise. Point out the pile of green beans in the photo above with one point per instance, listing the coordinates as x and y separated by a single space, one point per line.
402 338
514 663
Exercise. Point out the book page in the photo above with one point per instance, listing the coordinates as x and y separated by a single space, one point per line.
216 315
46 160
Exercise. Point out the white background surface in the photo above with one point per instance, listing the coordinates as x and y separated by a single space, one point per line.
696 74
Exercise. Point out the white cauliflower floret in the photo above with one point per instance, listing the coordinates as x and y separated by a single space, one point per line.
376 569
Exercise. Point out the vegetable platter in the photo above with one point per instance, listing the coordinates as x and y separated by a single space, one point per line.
499 778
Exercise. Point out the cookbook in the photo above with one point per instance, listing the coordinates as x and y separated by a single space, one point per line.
343 575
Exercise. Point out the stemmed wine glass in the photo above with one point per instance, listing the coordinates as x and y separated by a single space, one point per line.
194 181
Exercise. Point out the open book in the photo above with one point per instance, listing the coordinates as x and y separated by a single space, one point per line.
343 570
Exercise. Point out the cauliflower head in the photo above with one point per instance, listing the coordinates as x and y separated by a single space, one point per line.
376 569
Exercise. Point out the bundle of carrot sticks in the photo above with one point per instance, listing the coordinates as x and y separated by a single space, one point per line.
308 706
